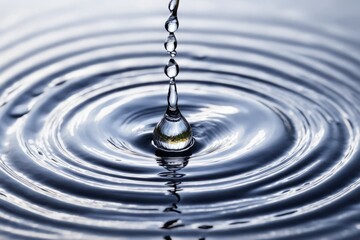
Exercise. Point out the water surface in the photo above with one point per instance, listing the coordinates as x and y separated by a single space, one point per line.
271 92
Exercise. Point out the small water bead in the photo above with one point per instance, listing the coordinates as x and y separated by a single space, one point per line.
172 24
170 43
171 69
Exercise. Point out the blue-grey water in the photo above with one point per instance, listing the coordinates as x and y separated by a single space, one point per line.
271 90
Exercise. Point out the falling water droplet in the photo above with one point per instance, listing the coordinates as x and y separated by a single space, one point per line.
171 69
171 43
172 24
173 132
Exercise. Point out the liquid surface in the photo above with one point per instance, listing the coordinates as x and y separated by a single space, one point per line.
272 97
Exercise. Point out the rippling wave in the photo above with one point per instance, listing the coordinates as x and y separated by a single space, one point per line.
274 106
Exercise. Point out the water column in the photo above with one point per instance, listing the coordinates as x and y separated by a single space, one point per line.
173 132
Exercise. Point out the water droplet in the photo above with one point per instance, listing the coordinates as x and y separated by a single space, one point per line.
173 5
171 69
172 24
173 132
171 43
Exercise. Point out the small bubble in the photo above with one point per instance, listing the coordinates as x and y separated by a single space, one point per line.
171 69
172 24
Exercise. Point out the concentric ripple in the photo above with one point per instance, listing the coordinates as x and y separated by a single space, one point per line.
274 108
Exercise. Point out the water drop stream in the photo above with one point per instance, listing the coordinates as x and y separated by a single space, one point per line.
173 132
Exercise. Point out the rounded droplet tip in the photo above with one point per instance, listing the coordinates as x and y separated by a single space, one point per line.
173 134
